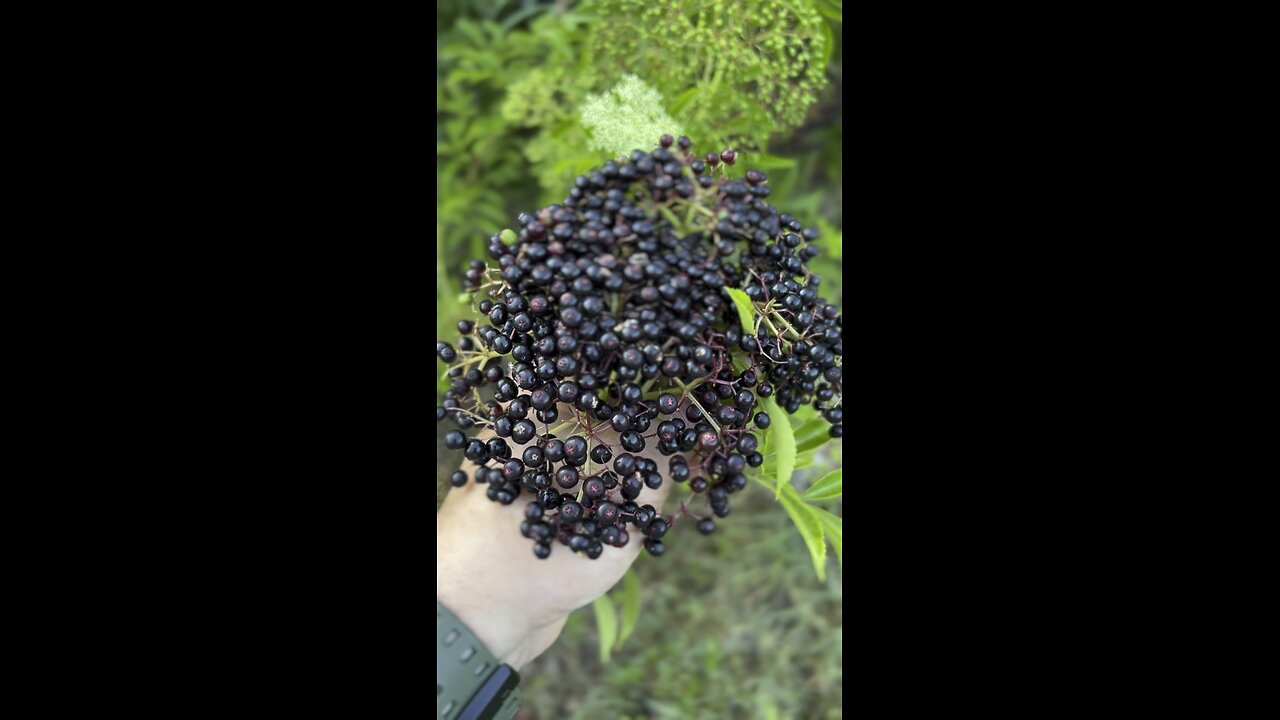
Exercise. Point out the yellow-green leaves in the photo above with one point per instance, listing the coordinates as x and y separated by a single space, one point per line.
613 635
769 162
810 526
630 606
607 624
827 487
813 432
746 309
786 449
782 442
833 528
816 526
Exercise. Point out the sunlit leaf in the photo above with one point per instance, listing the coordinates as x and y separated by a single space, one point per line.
828 487
683 100
829 43
810 526
746 308
607 624
815 432
783 443
833 527
830 10
630 606
768 162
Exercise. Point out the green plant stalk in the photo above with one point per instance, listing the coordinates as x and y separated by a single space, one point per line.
794 334
694 400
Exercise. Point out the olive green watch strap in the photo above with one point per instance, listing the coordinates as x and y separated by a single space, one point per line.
470 682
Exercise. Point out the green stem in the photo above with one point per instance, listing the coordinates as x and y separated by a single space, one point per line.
795 335
698 405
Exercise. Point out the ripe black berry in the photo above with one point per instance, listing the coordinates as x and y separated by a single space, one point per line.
541 400
522 432
632 441
594 488
645 515
575 448
667 403
567 477
532 456
625 464
606 513
601 454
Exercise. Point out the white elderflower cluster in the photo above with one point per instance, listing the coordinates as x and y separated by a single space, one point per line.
628 116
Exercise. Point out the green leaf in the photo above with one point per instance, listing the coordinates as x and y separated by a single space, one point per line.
746 308
607 624
829 43
783 443
630 606
827 487
810 526
520 16
830 10
768 162
464 297
830 239
813 433
509 236
682 101
803 460
833 526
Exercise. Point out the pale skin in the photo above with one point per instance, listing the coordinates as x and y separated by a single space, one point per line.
487 575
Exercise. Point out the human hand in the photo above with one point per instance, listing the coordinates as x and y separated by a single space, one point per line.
487 575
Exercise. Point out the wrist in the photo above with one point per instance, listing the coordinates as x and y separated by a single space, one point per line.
472 583
508 636
469 678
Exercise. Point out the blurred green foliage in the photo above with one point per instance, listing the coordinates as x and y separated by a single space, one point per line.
730 626
734 625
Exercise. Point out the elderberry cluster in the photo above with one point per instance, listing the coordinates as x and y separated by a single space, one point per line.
610 310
